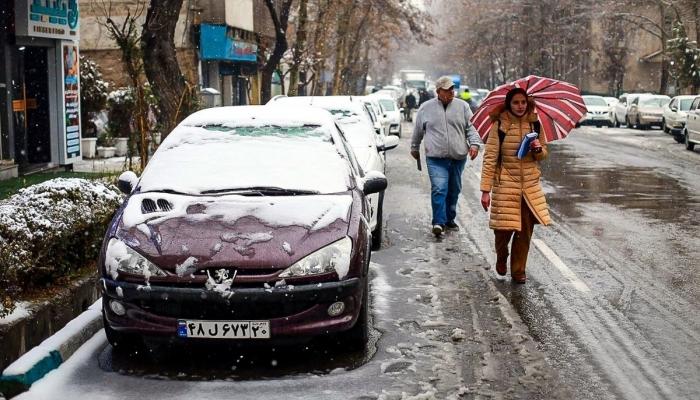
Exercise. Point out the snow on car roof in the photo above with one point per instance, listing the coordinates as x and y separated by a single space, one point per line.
252 146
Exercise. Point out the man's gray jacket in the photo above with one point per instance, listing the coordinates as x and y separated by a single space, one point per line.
448 132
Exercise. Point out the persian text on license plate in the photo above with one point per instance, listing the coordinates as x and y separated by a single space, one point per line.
224 329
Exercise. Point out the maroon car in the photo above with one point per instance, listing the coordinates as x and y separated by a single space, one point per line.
249 223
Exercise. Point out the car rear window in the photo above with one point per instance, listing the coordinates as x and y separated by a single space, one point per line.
654 102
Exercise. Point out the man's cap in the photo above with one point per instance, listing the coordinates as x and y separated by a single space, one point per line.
444 82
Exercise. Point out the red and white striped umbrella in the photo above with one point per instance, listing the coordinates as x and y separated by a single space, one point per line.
558 104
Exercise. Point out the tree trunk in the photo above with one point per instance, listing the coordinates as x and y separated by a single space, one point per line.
299 49
280 22
160 63
663 81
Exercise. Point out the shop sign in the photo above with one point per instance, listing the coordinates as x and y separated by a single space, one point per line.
55 19
217 44
71 100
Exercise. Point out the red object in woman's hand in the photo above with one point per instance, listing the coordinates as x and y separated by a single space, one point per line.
535 146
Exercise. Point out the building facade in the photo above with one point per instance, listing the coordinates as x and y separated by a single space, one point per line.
39 85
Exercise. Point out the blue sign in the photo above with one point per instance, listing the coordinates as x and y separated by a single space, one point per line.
56 19
215 43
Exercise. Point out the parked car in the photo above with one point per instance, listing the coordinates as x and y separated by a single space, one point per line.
599 112
647 110
391 112
248 224
621 108
691 131
376 111
369 148
676 113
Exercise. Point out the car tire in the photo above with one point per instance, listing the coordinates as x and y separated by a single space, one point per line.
616 123
125 343
378 232
688 144
628 123
356 337
664 127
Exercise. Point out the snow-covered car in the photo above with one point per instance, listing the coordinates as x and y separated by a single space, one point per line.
599 112
647 110
391 113
676 114
369 148
248 224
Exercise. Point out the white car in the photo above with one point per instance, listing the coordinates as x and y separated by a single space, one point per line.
691 132
621 108
646 111
676 114
599 112
391 112
353 119
375 111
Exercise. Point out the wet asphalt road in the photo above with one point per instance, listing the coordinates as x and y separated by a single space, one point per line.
626 207
609 311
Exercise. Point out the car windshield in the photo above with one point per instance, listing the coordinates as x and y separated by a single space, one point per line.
207 158
654 102
388 105
595 101
685 104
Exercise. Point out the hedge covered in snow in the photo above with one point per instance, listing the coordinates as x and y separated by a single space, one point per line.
49 230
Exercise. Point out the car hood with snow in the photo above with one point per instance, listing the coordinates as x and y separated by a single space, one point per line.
183 233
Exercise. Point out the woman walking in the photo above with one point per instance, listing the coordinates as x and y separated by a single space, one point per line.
518 200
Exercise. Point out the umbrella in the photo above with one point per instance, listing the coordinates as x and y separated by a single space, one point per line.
558 104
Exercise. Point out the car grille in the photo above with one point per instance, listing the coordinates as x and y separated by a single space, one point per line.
212 311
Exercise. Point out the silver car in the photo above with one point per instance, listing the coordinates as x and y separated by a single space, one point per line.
647 111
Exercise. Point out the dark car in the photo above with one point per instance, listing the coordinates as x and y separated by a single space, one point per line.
249 223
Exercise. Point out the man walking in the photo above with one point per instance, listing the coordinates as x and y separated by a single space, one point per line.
449 139
410 105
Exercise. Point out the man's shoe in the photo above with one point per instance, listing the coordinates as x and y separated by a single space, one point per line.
437 230
451 226
501 269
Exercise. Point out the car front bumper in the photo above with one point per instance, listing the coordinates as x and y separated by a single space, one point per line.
292 311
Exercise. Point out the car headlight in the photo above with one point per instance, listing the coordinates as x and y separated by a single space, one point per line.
120 257
334 257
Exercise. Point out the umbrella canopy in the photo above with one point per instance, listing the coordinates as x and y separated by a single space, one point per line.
558 104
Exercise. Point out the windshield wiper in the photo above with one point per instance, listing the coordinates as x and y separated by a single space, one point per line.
262 191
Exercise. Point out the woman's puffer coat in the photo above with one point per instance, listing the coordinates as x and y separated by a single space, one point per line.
511 179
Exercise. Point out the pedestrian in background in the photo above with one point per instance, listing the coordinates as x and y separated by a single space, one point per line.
518 200
410 104
449 139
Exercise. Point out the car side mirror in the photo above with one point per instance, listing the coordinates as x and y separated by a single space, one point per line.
674 109
390 142
374 182
127 182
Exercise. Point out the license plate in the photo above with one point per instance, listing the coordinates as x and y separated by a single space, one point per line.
224 329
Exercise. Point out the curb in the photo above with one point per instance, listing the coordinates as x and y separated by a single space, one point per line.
52 352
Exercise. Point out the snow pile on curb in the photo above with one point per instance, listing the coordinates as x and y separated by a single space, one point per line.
50 229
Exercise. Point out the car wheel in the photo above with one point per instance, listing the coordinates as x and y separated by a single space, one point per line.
356 337
688 144
377 233
628 123
616 123
125 343
664 127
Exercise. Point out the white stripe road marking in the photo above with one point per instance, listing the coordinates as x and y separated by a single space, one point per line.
577 283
